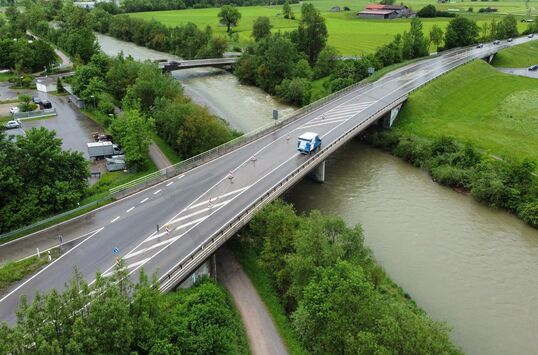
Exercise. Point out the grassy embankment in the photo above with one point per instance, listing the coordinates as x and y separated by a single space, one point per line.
521 56
349 34
477 104
17 270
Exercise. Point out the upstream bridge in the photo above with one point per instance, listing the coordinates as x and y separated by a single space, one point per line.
171 65
176 219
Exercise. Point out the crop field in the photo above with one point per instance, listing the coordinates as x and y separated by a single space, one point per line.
479 105
520 56
349 34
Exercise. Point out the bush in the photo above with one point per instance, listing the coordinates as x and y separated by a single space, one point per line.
451 176
413 150
427 11
296 91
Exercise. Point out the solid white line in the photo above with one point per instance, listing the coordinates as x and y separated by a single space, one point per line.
141 251
199 212
137 263
156 192
115 219
144 200
170 183
219 197
52 263
190 223
130 209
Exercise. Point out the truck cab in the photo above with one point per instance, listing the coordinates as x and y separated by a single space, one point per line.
308 142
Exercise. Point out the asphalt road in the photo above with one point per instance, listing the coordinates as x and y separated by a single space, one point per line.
202 201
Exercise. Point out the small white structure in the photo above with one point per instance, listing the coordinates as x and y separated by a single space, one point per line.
46 84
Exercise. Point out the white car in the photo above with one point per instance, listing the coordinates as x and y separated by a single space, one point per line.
13 124
14 109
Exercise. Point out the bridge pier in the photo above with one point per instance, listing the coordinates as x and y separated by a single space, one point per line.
318 173
490 58
388 119
208 268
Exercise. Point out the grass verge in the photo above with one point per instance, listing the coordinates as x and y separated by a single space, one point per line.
264 287
14 271
6 76
520 56
477 104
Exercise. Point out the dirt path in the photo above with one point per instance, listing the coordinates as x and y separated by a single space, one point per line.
263 337
158 156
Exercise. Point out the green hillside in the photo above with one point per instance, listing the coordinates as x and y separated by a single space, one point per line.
523 55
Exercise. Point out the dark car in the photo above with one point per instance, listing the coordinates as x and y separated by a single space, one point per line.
479 45
533 67
530 35
45 104
510 39
496 41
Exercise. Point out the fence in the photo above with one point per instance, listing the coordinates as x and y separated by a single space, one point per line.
35 114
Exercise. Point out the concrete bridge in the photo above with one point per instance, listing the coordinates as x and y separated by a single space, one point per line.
172 227
168 66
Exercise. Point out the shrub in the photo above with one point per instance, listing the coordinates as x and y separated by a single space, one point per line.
451 176
413 149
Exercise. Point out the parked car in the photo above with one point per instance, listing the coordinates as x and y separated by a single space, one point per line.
36 100
479 45
13 124
45 104
530 35
533 67
496 42
510 39
14 109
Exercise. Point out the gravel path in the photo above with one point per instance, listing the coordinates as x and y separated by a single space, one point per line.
158 156
263 337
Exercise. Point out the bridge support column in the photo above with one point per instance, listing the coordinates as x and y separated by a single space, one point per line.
203 270
490 58
318 173
390 117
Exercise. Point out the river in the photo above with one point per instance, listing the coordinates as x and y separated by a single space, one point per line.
466 264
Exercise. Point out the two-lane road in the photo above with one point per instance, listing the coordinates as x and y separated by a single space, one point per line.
194 206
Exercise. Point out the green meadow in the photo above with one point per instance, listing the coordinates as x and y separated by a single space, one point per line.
477 104
348 33
520 56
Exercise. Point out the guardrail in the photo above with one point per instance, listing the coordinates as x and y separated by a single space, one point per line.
35 114
189 263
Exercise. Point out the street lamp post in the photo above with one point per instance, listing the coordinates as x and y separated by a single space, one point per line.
94 106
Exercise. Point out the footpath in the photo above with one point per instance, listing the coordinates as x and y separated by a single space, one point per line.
263 337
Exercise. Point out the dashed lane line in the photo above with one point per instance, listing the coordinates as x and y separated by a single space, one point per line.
156 192
144 200
170 183
115 219
130 209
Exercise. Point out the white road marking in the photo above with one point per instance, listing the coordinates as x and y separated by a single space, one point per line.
49 265
170 183
180 176
322 124
137 263
199 212
141 251
156 192
190 223
144 200
218 197
130 209
115 219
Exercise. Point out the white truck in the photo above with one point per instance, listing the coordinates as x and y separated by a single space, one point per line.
103 149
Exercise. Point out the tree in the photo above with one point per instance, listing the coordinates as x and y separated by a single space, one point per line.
461 31
133 132
326 62
59 86
229 16
312 34
436 35
295 91
286 10
26 103
427 11
261 28
507 27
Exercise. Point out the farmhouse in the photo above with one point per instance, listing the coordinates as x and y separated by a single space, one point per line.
377 11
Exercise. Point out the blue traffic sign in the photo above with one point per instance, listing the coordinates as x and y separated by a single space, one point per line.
116 250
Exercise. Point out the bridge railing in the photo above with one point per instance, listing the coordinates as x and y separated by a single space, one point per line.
189 263
197 160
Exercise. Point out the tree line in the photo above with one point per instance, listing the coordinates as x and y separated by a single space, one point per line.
337 298
158 5
18 51
152 102
114 316
38 178
503 184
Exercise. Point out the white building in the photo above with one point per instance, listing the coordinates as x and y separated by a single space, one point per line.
46 84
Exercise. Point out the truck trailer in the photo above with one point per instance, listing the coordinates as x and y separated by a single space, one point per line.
103 149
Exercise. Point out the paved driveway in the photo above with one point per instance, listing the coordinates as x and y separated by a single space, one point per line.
520 71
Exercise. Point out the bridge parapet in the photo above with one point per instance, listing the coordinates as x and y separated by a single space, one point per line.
188 264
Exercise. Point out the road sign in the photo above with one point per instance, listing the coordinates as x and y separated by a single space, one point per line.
116 250
371 70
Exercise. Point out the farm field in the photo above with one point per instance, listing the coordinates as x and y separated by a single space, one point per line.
520 56
349 34
479 105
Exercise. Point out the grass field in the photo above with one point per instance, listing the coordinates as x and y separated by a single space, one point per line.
351 35
520 56
477 104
